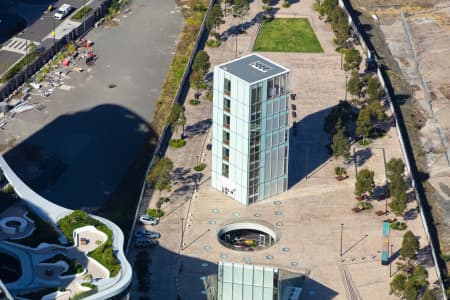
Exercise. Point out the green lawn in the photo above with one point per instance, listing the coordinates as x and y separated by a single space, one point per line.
287 35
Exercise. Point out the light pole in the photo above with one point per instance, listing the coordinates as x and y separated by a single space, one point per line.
342 54
54 32
342 232
236 50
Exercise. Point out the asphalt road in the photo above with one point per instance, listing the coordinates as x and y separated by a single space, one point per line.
76 151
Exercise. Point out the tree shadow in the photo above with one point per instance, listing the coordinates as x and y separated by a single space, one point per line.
237 29
307 146
410 214
362 156
199 128
424 257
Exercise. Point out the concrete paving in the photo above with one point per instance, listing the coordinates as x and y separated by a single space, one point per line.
309 215
85 123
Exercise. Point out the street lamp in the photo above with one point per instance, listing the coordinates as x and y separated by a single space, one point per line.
342 232
54 32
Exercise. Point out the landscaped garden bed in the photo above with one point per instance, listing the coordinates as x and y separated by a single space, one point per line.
104 254
74 266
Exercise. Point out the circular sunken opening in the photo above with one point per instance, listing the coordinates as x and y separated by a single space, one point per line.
248 235
10 269
13 223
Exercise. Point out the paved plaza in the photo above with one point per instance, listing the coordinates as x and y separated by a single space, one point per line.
308 216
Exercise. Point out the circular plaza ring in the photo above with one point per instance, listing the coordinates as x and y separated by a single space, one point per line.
248 235
13 225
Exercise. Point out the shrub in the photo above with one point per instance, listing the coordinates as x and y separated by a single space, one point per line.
200 167
85 10
28 59
286 4
399 226
74 266
194 102
155 213
177 143
164 199
213 43
339 171
365 205
8 189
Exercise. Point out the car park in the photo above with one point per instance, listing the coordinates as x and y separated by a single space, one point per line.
63 11
147 234
147 220
145 243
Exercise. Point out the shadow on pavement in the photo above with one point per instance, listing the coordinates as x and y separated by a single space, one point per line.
307 146
86 159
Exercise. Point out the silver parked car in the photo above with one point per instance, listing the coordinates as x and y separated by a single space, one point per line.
147 234
145 243
147 220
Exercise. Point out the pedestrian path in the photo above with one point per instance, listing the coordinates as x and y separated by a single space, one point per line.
17 45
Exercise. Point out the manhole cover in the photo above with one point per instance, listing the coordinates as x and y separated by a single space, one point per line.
269 257
212 222
279 224
278 213
277 202
257 215
286 249
294 263
215 210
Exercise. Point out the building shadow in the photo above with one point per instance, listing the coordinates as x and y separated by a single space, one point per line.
93 160
308 146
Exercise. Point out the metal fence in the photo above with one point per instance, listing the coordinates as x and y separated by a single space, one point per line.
402 136
21 77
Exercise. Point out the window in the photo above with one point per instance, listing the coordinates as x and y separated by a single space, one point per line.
225 170
226 104
227 87
226 154
226 121
226 137
270 89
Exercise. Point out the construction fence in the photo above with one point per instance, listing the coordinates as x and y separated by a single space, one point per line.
402 135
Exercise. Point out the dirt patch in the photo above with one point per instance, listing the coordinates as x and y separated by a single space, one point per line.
445 90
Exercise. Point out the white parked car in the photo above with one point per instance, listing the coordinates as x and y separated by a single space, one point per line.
147 220
63 11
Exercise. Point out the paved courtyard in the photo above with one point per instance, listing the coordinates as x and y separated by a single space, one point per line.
309 215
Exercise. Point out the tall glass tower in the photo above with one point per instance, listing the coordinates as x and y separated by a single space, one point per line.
250 137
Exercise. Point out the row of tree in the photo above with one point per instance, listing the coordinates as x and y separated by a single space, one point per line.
411 283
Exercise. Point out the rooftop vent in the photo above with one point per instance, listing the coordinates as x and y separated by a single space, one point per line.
260 66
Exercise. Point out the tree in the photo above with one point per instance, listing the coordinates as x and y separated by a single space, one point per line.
398 203
410 246
354 84
352 59
240 9
411 291
364 182
201 62
420 276
428 295
395 166
197 81
340 146
374 90
364 124
215 18
159 175
398 285
177 117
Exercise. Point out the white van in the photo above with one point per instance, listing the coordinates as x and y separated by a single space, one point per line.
63 11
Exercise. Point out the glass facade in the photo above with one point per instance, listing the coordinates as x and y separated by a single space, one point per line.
250 135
